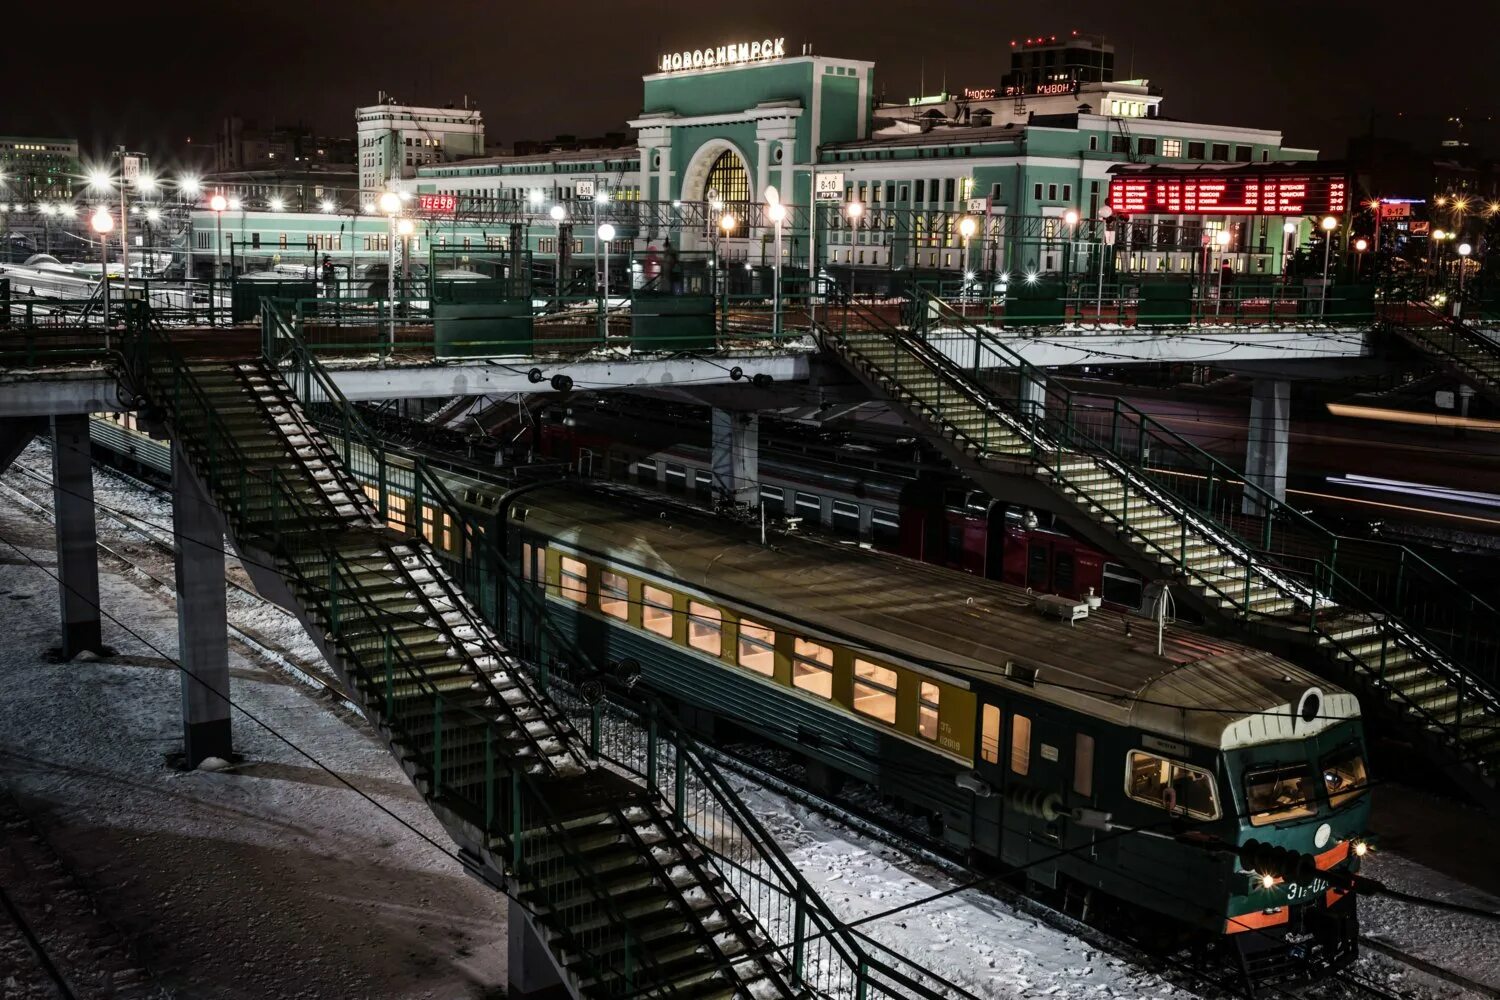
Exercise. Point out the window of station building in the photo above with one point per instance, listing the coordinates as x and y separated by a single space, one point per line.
1195 150
921 191
989 734
929 702
812 668
845 518
810 507
1083 765
1145 145
1093 143
1051 192
574 582
705 628
656 610
948 189
756 648
1171 147
1172 786
1020 744
875 691
614 595
1067 192
1119 144
1221 151
1036 192
729 178
1243 154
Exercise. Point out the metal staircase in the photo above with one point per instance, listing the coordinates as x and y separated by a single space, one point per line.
1412 640
1456 347
618 893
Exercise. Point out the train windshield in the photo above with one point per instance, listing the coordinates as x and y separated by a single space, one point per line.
1344 776
1280 794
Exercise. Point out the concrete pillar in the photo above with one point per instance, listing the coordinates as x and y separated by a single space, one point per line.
530 971
202 623
77 544
15 434
1266 443
735 455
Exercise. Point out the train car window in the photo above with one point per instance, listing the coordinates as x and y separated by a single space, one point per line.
574 582
703 482
1036 565
1172 786
1083 765
1121 589
1344 776
885 527
645 471
989 735
810 508
757 648
773 499
1020 744
812 668
1062 573
614 595
875 691
929 701
676 478
526 556
955 541
1280 794
656 610
846 517
705 628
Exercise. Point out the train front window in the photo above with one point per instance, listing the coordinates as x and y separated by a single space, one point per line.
1170 785
1344 776
1280 794
875 691
812 668
757 650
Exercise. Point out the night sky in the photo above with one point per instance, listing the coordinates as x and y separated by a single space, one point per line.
151 72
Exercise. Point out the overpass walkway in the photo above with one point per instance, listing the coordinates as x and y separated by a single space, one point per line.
1458 348
1416 644
664 887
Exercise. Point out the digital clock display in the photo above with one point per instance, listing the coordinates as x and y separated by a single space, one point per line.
437 204
1228 192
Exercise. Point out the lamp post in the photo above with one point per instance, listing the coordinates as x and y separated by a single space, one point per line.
558 215
218 203
102 223
1329 224
1464 250
1289 231
404 228
1222 239
603 237
390 207
1435 253
777 213
966 229
1360 246
601 197
1105 236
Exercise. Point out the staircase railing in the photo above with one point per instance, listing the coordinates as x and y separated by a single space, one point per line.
1280 544
1453 339
509 805
826 957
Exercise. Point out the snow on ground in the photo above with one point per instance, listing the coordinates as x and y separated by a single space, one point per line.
267 880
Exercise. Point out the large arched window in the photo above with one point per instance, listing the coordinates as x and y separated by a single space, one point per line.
729 178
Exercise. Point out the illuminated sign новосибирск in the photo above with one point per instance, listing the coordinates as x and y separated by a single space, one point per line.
724 55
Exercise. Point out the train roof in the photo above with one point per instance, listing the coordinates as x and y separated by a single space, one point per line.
1201 690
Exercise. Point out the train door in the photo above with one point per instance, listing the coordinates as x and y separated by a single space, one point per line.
1037 765
1039 563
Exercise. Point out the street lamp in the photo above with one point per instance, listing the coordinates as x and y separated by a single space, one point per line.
1290 231
1464 250
967 227
1329 224
1222 238
605 235
1360 246
777 213
390 207
102 223
218 203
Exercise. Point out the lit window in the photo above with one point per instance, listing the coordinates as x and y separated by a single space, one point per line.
812 668
575 580
1280 794
614 595
989 735
757 648
875 691
1171 147
1344 776
1020 744
1172 786
929 698
1083 765
705 628
656 610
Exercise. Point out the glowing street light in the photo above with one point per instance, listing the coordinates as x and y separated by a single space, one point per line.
189 186
558 213
605 235
727 222
1464 250
102 223
218 203
100 179
854 210
326 207
277 204
1329 224
776 212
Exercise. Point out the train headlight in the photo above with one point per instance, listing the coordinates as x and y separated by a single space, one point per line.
1361 848
1268 881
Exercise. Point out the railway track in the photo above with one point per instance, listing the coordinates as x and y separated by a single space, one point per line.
867 821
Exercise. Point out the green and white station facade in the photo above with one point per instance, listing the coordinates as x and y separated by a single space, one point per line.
720 126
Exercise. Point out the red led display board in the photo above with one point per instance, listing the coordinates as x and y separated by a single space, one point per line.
1228 192
437 204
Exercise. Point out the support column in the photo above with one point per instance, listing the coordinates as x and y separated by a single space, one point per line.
735 456
202 622
1266 444
530 971
77 544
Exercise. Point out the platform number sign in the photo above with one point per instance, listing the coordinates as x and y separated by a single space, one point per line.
583 189
130 170
830 187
